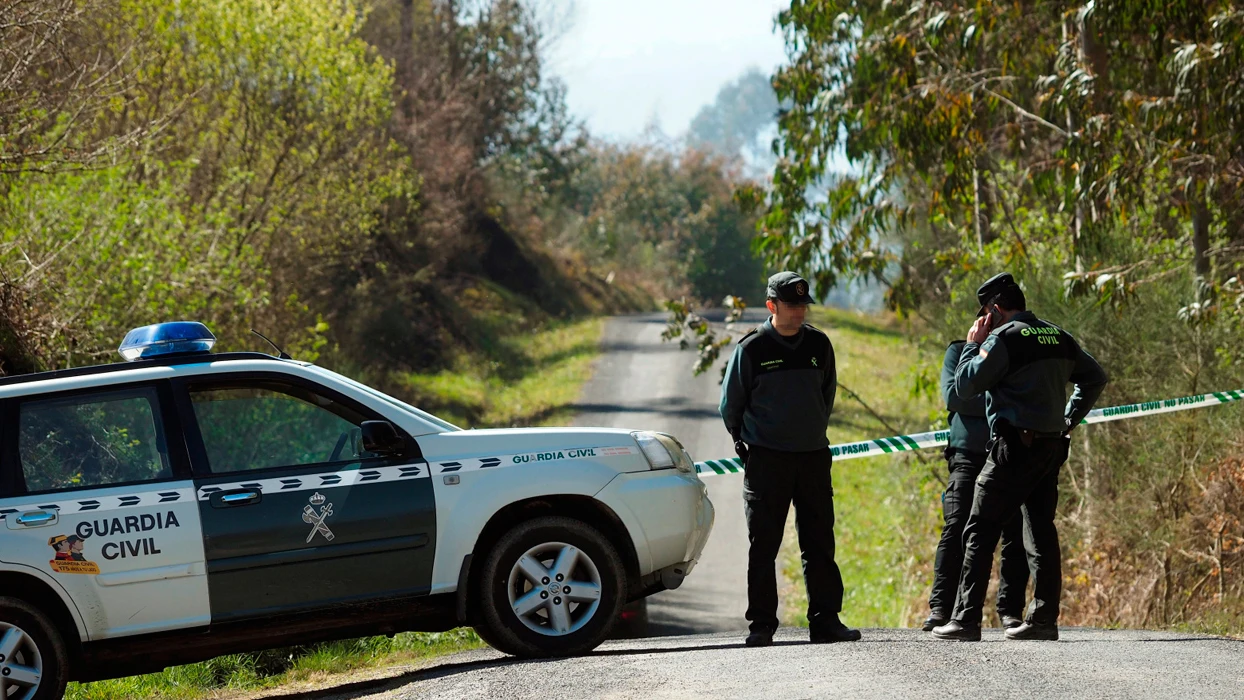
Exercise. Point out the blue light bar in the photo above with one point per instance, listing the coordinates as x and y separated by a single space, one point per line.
162 339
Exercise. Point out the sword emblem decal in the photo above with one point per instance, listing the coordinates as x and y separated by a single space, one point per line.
316 520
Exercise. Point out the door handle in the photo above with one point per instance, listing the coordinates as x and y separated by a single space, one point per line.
237 499
36 518
233 499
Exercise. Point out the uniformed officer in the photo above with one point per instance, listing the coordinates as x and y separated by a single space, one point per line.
776 399
61 545
965 456
1023 366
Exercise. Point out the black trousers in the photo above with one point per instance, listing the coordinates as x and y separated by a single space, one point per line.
771 481
965 467
1024 478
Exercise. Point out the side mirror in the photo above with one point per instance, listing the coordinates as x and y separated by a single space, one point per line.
380 437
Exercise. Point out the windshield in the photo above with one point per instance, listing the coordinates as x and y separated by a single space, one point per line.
443 425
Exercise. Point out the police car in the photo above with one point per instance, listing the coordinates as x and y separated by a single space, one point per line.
186 504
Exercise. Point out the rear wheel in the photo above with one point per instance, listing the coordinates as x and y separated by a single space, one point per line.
552 586
33 660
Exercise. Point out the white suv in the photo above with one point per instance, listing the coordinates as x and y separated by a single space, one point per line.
187 504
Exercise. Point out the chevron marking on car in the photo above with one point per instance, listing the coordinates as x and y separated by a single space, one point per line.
100 504
328 480
470 464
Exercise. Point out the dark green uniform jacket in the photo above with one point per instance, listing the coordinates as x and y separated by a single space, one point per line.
1023 368
969 431
778 392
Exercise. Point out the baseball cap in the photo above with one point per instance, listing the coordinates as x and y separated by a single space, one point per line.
1001 282
788 287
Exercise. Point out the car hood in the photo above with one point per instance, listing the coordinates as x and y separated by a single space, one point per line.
523 445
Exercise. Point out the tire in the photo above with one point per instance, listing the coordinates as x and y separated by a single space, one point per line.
38 645
556 622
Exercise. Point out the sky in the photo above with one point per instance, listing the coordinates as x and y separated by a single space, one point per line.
628 63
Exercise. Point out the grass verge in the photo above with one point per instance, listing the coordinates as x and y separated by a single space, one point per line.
526 378
877 500
237 675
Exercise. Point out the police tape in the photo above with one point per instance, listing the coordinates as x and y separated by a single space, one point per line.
938 438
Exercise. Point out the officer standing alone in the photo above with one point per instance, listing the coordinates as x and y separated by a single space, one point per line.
965 457
1023 366
776 399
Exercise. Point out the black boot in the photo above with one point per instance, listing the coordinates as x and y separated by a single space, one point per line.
937 618
1032 630
1011 621
760 638
833 633
956 632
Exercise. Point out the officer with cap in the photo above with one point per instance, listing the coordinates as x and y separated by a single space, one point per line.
1022 364
965 456
776 399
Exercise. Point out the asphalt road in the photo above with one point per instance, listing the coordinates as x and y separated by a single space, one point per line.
640 382
1089 664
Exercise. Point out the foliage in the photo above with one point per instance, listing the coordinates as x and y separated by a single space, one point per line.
1106 112
59 77
209 217
687 325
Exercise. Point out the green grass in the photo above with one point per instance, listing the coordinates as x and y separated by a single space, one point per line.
1224 623
876 500
233 674
526 378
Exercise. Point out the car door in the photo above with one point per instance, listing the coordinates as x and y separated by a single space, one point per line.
296 516
99 496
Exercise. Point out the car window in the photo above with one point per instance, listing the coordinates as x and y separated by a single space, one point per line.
92 440
444 425
269 424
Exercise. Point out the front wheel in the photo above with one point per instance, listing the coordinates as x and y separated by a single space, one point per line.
33 661
552 586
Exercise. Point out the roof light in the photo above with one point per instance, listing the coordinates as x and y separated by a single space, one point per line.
162 339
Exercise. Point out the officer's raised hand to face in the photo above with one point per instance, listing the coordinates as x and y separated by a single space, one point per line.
980 328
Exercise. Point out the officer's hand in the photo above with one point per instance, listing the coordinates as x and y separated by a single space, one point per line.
980 329
740 448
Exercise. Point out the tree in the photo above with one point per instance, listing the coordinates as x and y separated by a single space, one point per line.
734 124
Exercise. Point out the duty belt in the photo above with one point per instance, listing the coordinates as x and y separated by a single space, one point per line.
1026 436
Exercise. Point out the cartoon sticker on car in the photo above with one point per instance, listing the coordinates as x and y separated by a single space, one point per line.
70 555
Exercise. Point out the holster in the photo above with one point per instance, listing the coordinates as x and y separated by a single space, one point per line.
1026 436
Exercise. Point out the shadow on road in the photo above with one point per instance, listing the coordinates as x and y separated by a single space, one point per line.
619 346
370 687
663 408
